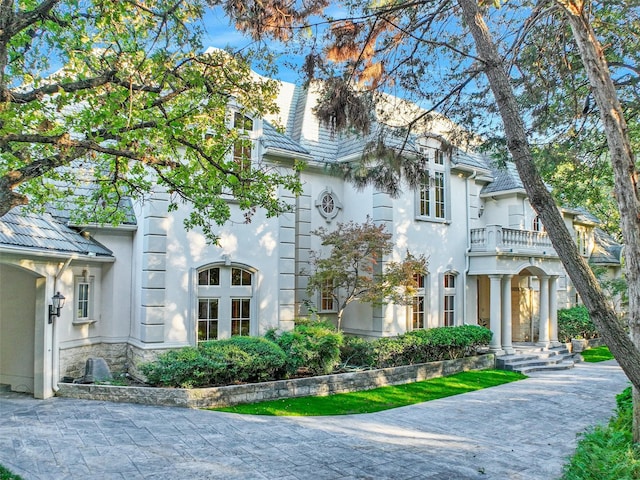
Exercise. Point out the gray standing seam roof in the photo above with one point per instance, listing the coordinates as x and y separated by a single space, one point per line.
44 232
607 251
271 138
504 178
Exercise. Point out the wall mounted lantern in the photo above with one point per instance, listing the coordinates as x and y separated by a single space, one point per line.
57 302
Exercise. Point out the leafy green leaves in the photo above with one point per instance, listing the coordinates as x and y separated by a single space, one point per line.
118 99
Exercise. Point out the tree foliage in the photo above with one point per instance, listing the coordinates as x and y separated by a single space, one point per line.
436 50
118 99
355 267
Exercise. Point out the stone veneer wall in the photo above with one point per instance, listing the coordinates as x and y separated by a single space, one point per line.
300 387
73 360
120 357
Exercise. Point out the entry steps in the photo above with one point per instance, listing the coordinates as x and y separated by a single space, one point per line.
529 358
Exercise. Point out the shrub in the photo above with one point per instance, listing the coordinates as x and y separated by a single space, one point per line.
313 346
417 346
185 368
607 452
218 362
575 323
265 359
357 351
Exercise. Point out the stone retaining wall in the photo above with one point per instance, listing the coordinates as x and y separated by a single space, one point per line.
299 387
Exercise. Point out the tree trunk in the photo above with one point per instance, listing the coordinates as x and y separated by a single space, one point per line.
622 160
581 275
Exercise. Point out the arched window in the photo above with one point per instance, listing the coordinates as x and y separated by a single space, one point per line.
225 302
449 299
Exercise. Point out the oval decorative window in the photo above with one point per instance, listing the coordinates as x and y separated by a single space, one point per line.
328 204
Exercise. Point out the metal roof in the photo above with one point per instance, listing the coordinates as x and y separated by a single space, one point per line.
44 232
271 138
505 178
471 159
606 251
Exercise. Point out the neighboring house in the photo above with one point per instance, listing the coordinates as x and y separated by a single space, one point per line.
149 285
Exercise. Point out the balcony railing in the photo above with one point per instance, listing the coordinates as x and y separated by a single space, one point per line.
495 238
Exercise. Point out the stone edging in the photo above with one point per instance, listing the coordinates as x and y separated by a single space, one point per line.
298 387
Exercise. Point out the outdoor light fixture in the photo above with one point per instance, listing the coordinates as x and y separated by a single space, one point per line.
57 302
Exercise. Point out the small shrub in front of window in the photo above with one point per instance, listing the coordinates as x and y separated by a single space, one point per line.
311 346
218 362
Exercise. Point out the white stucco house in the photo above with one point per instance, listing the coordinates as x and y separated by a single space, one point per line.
149 285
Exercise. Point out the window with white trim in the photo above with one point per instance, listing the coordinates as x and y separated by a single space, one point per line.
419 304
243 146
327 299
225 302
433 194
449 299
83 300
328 204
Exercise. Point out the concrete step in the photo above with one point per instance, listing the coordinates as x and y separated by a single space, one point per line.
4 387
530 359
564 365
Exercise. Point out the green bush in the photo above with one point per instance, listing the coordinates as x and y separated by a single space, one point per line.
417 346
185 368
356 351
575 323
218 362
312 346
265 359
607 452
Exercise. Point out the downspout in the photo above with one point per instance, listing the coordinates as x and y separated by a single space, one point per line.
467 260
55 349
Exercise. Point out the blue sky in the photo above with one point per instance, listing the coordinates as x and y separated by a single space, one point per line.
219 33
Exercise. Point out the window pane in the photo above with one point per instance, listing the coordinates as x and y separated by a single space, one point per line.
449 310
203 309
418 312
439 157
83 300
207 319
425 205
439 194
449 281
209 277
240 277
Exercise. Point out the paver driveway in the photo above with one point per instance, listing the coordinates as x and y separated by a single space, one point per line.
522 430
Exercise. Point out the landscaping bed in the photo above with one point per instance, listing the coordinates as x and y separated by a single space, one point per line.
297 387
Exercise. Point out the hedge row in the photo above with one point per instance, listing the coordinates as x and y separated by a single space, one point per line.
418 346
312 348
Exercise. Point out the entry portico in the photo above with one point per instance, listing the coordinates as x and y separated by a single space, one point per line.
522 282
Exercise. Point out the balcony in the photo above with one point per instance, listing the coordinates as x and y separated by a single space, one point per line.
497 239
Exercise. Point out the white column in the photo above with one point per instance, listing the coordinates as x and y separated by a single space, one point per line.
495 317
543 331
553 311
506 315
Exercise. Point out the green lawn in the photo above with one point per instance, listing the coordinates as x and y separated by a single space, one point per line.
597 354
7 475
378 399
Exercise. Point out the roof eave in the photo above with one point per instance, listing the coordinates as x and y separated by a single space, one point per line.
39 252
282 153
